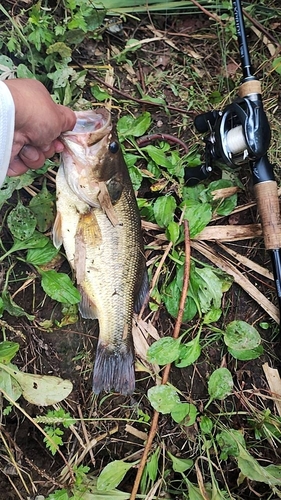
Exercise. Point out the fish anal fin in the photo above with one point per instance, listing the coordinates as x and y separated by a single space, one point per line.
114 369
57 231
142 294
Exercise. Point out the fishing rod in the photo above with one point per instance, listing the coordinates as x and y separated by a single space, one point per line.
241 134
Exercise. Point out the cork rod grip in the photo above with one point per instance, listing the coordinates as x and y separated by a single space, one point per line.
269 210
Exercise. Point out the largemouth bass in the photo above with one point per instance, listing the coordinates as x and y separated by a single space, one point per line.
98 224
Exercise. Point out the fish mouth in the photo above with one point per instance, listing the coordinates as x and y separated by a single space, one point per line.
91 127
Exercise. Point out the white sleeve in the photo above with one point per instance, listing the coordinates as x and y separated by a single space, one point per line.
7 125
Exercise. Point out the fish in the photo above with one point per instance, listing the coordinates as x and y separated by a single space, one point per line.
98 223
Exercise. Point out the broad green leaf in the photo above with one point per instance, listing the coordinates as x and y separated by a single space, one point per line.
193 492
189 352
276 64
152 465
184 413
39 256
113 474
12 308
99 94
21 222
59 287
164 351
37 240
212 316
136 127
246 354
163 398
173 231
158 156
171 297
198 215
24 72
42 206
164 209
41 390
8 350
251 469
240 335
10 385
228 441
221 206
210 289
180 464
206 425
220 384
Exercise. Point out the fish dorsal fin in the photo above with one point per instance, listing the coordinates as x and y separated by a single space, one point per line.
106 204
57 232
142 296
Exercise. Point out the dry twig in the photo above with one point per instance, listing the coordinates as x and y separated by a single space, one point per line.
165 376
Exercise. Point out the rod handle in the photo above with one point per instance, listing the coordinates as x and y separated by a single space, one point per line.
269 210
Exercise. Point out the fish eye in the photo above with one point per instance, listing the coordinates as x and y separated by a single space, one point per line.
113 147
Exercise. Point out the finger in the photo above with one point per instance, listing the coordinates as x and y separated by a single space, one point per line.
32 157
68 118
16 167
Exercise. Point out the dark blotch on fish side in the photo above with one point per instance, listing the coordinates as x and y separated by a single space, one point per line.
117 369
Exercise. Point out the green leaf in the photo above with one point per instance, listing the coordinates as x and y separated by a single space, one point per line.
21 222
180 464
206 425
171 297
99 93
9 385
158 156
41 390
163 398
164 208
220 384
276 64
113 474
212 316
39 256
173 231
42 207
37 240
184 413
198 215
12 308
209 289
8 351
240 335
193 492
246 354
59 287
164 351
189 352
136 127
251 469
228 441
152 465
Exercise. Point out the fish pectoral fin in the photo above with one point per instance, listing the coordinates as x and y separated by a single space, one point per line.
87 307
106 204
57 231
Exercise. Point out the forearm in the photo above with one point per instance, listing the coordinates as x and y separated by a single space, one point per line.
7 126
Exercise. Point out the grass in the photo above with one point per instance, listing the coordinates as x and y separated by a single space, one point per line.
213 427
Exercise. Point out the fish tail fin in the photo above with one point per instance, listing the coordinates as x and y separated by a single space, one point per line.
114 370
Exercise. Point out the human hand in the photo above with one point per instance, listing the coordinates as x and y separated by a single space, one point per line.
39 121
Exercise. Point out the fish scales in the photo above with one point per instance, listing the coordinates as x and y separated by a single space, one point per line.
103 243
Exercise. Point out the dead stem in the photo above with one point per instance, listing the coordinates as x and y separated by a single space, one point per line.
154 424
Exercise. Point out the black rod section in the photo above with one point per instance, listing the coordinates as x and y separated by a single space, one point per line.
242 40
